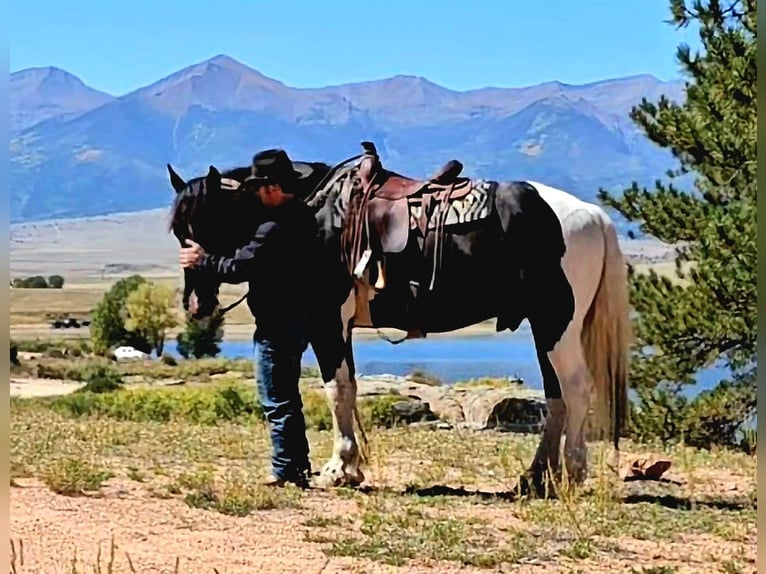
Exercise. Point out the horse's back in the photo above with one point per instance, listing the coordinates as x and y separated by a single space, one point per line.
575 215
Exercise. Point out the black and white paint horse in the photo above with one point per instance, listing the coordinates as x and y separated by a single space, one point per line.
443 253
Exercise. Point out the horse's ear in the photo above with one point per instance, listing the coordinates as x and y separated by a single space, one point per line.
176 180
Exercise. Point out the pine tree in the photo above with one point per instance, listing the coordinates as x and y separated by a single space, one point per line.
709 317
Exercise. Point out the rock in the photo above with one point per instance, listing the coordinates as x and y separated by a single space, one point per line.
229 375
501 406
412 411
510 410
169 382
437 424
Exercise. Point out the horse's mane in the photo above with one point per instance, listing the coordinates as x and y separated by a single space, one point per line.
186 202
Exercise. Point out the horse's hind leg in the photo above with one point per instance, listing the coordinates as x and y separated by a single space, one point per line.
547 457
343 466
567 392
569 360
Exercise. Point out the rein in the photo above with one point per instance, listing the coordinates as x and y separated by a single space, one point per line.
228 308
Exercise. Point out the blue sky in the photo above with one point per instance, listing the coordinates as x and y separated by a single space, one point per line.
118 46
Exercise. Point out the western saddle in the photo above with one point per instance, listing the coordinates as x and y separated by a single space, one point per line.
395 186
386 205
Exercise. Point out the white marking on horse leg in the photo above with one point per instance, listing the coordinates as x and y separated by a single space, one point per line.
343 466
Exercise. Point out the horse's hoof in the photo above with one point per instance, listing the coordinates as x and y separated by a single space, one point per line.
336 474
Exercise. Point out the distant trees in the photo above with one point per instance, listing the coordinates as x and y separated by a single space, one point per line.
138 313
150 311
55 281
38 282
107 328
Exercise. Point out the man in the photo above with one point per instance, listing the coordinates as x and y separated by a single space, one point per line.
275 263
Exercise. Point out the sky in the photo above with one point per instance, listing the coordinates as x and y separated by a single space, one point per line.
120 45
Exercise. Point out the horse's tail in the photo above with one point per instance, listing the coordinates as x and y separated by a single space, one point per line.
606 337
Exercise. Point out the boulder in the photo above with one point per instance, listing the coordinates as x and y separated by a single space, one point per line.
499 405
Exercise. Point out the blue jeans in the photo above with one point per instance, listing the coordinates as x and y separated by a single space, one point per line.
278 371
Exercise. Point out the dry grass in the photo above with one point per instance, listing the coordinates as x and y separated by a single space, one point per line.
195 485
35 308
32 310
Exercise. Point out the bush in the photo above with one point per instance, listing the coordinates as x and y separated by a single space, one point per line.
100 378
201 337
55 281
209 405
66 346
34 282
107 329
717 417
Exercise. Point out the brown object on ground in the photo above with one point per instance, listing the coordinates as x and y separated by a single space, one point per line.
642 470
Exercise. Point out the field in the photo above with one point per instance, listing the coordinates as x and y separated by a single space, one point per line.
164 477
152 480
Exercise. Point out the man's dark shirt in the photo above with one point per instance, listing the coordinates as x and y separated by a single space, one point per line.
279 262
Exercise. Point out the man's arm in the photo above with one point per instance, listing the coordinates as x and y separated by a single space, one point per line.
241 266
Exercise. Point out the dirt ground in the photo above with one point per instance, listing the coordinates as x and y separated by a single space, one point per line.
152 534
694 522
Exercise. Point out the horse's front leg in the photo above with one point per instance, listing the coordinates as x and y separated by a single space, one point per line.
343 466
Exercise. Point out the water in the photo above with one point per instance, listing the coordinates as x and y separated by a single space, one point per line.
451 359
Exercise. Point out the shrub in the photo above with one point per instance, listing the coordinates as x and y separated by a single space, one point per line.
210 405
107 329
55 281
100 378
201 337
717 417
68 345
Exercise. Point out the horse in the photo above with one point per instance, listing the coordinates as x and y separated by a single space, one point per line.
448 252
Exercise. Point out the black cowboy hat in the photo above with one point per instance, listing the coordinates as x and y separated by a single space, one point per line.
275 166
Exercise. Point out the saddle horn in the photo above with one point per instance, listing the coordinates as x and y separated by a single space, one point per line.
369 148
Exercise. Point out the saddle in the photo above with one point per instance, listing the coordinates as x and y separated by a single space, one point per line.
393 186
391 206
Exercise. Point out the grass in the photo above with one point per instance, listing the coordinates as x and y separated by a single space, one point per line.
36 306
68 360
206 448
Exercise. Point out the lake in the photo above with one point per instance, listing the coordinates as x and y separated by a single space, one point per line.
451 359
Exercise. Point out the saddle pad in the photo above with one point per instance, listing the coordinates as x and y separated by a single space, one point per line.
474 206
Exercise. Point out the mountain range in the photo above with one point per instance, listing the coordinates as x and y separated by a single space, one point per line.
76 151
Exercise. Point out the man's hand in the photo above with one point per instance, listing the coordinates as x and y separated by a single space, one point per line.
192 255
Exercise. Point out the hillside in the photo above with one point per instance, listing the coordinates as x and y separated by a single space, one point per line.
78 152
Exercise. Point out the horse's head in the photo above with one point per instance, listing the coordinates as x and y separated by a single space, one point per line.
220 212
216 211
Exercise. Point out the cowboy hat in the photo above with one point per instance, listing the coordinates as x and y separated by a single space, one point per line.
275 166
